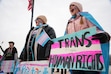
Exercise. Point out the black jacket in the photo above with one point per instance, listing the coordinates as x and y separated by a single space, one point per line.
42 52
10 56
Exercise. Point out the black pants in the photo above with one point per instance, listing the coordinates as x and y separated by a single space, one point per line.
56 71
10 73
83 72
63 71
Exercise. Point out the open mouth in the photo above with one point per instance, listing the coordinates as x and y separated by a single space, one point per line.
72 10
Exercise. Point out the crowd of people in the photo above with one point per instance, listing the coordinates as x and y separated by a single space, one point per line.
34 51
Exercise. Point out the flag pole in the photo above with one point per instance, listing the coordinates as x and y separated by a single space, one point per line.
32 13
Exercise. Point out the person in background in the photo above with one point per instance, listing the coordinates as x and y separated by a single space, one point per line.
10 53
33 49
82 20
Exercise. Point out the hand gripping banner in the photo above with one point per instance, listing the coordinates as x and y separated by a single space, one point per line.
77 51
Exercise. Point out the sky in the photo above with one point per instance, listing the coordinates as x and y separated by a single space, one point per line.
15 18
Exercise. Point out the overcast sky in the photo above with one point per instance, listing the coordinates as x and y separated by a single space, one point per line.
15 18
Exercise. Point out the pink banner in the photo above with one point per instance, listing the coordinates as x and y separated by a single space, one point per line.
57 44
8 66
77 51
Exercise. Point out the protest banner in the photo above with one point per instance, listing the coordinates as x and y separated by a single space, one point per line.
7 66
33 67
77 51
1 72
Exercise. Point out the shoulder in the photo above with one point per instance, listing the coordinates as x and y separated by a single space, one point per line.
86 15
31 28
47 28
15 49
6 49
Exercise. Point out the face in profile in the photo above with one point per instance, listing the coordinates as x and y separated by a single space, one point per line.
73 9
38 21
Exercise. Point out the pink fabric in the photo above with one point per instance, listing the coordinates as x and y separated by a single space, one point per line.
57 45
87 53
0 56
75 25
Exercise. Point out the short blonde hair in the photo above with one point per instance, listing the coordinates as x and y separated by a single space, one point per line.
43 18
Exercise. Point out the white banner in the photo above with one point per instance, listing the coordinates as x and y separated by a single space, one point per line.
33 67
8 66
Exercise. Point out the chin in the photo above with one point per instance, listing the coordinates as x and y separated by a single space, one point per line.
72 14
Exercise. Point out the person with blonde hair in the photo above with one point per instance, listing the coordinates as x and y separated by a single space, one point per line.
82 20
33 49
